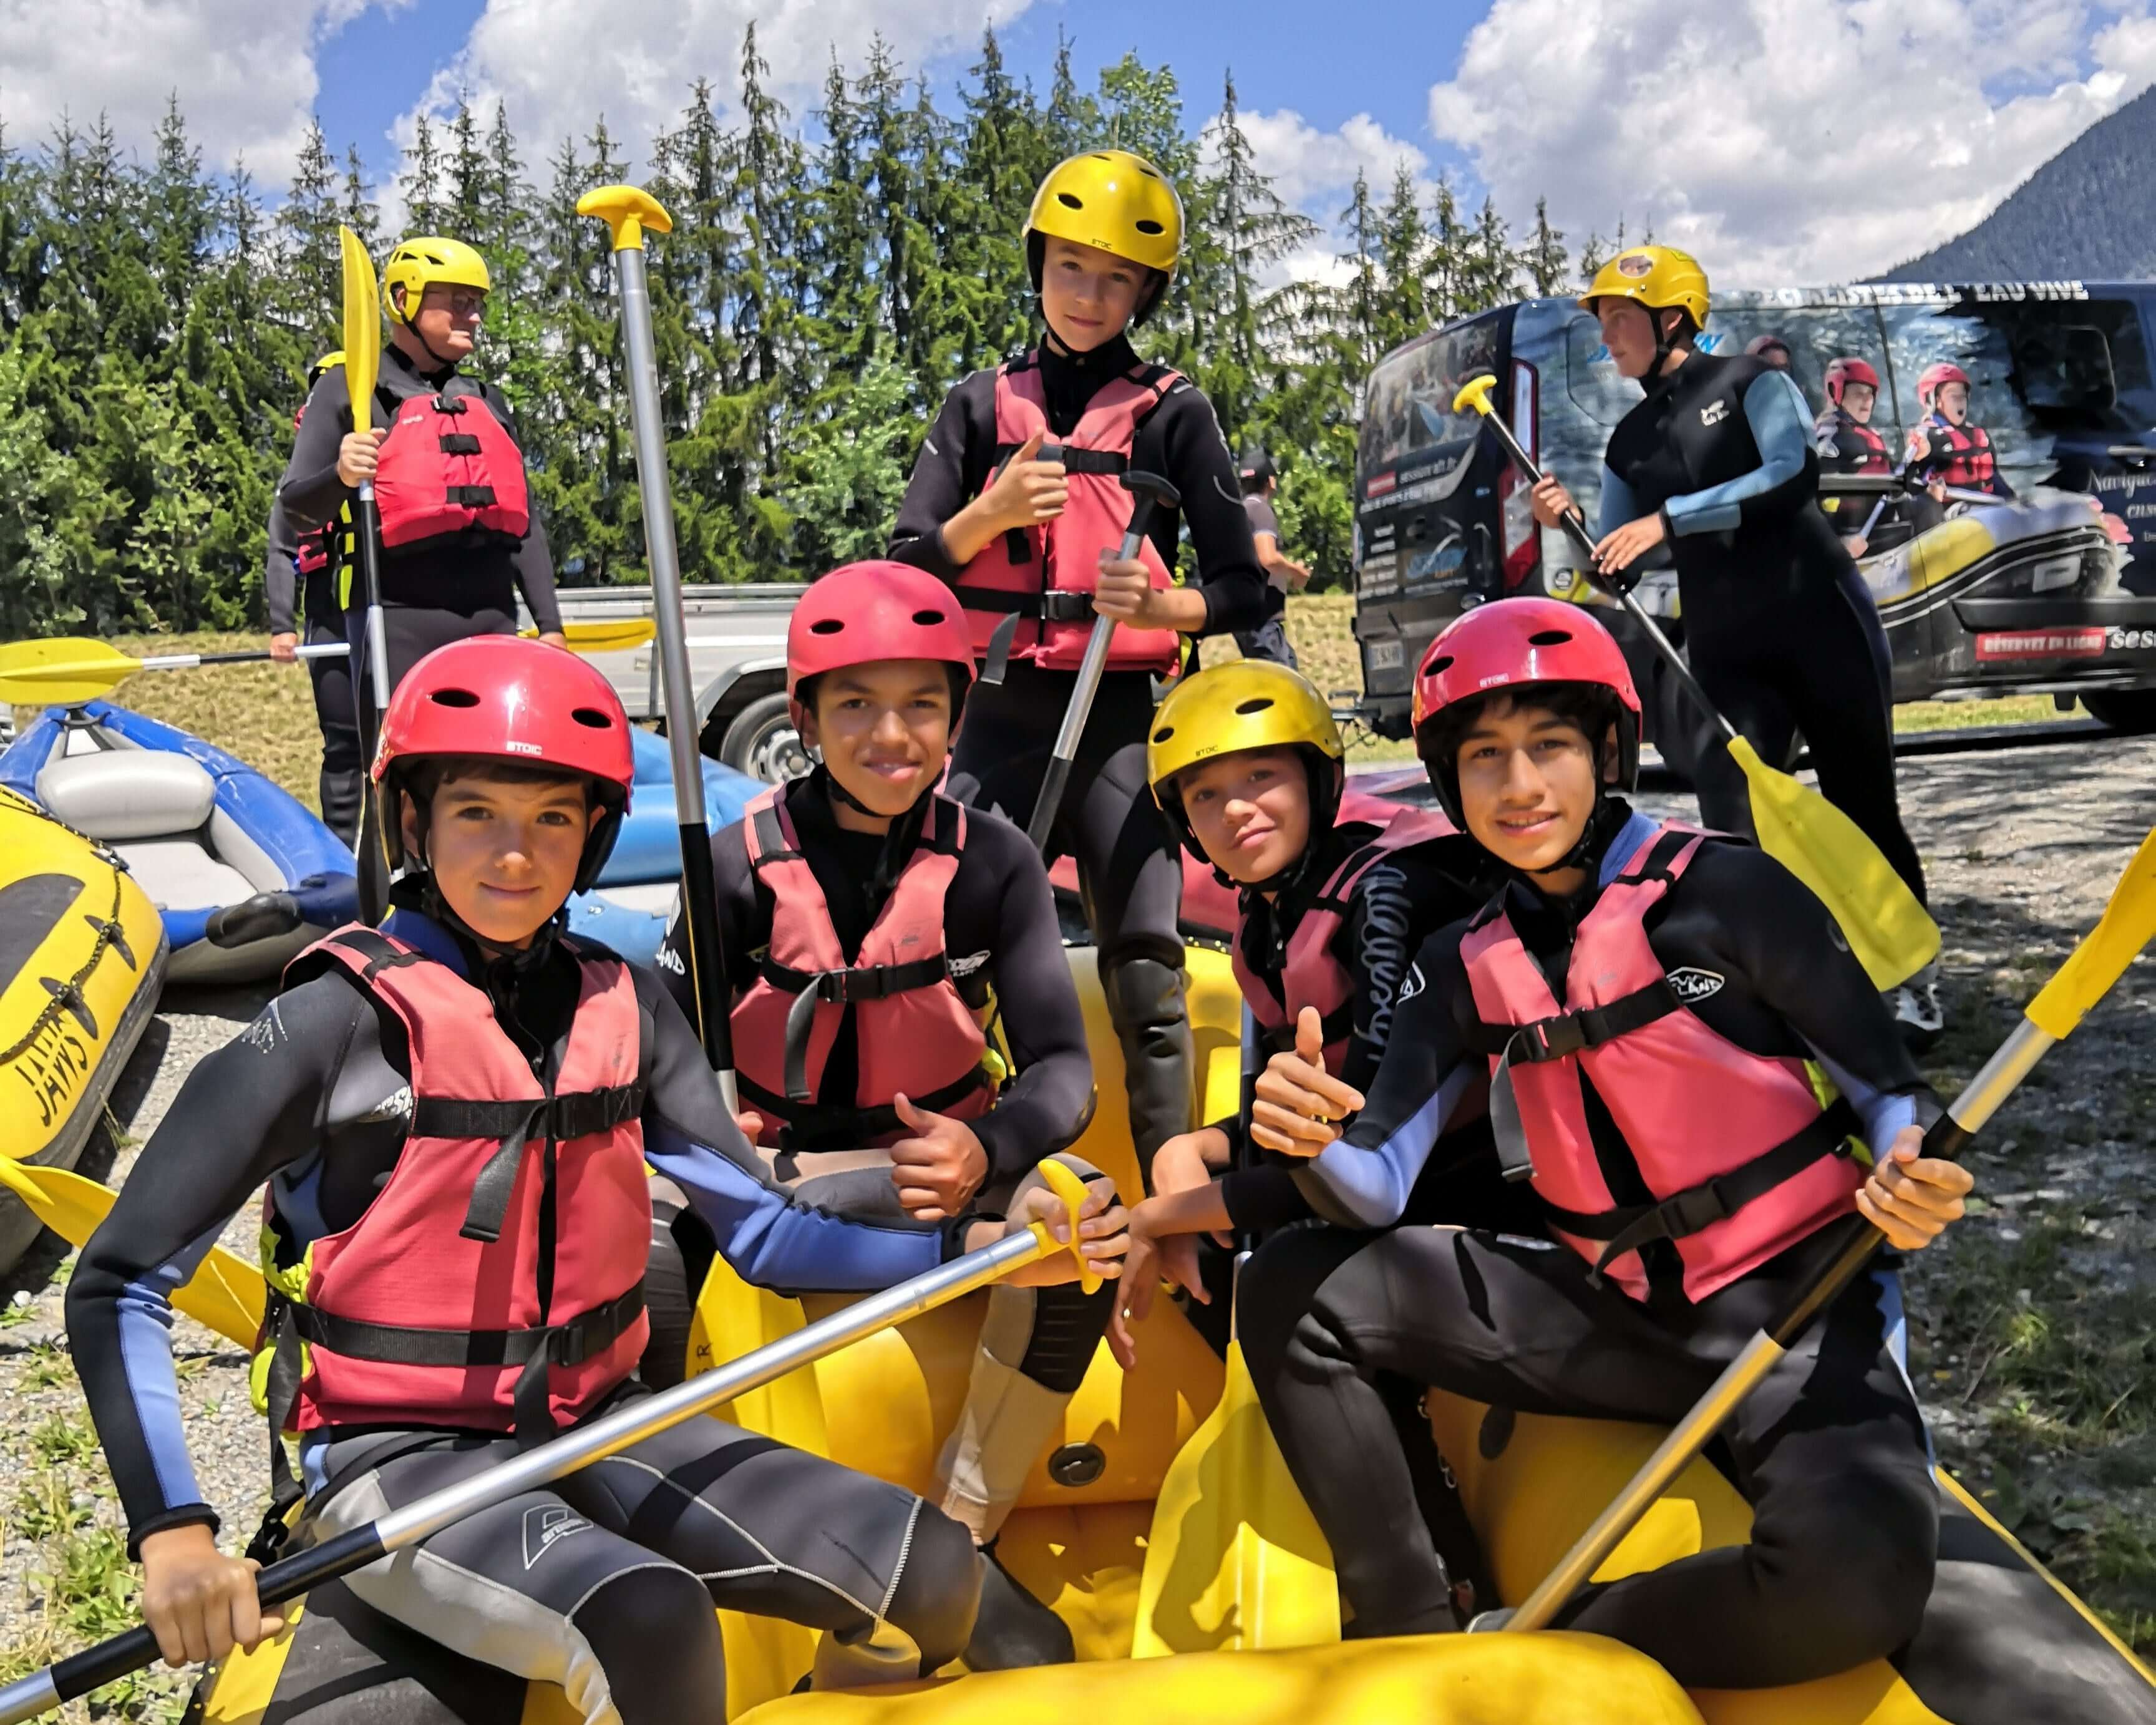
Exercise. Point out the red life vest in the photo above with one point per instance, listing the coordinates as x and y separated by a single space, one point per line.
426 1311
449 467
1313 974
1740 1152
1969 463
1044 576
913 1031
1858 448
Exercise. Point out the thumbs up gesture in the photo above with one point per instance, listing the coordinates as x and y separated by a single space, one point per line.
1300 1105
939 1166
1029 491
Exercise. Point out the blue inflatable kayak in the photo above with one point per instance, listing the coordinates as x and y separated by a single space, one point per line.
243 875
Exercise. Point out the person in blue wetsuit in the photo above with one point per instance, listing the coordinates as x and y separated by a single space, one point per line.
1717 465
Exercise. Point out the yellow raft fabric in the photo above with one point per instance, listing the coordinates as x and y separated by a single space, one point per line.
52 1053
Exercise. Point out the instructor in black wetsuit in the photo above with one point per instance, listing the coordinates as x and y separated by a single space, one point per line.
461 536
1717 463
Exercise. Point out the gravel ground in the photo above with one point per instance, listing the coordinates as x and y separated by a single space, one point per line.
2033 1326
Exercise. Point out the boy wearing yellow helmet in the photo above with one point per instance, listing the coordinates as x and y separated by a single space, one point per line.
1016 501
460 534
1717 465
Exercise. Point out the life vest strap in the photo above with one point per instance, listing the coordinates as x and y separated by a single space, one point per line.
1057 605
459 442
842 988
550 1119
806 1129
568 1343
471 497
1629 1227
1571 1033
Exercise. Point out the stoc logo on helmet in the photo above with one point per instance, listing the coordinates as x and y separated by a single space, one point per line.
1635 264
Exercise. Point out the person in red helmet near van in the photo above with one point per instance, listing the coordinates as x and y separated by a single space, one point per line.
869 922
1843 436
1685 1062
453 1114
1944 447
1016 502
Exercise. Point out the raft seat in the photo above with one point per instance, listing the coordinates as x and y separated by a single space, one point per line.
153 810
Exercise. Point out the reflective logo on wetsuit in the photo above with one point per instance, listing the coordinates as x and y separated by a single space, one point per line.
1412 986
669 959
1692 986
1714 412
544 1524
967 965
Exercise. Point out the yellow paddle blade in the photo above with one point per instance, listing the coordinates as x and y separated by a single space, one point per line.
1891 934
362 329
224 1293
70 669
608 636
1235 1561
2128 924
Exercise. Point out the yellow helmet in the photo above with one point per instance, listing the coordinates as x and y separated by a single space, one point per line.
1655 276
425 260
1245 704
328 362
1111 199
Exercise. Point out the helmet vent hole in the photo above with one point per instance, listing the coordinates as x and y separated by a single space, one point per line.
454 697
1150 226
1164 733
1549 638
591 716
928 619
1102 156
825 626
1148 172
1070 203
1258 706
1436 665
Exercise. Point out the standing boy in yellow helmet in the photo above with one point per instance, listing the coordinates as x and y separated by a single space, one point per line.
460 534
1718 464
1016 499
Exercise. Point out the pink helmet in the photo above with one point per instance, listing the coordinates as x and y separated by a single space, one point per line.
864 612
1935 378
1842 373
1513 643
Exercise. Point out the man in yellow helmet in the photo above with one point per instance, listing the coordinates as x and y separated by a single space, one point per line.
460 534
1716 470
1016 501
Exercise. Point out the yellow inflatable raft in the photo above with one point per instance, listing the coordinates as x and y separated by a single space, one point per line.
82 954
2003 1641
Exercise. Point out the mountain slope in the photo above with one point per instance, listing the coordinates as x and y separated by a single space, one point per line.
2089 213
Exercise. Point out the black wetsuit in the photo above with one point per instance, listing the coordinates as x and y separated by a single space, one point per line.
342 761
313 1097
1830 1450
438 591
1130 873
1722 449
1269 640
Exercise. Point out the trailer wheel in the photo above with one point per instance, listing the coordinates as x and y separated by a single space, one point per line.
2131 712
762 742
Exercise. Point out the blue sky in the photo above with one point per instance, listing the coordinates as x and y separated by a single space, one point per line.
1783 140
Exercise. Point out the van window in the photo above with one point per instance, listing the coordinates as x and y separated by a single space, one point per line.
1407 405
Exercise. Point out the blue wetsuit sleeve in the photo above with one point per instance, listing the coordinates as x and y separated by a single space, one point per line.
769 1236
1781 426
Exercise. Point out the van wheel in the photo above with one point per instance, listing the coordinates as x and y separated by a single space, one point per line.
762 742
2131 712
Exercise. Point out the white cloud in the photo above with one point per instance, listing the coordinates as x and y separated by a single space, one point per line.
244 70
559 64
1785 140
1313 170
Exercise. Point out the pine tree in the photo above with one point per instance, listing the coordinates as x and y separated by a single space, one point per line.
1403 258
468 173
421 182
358 210
309 264
1593 254
1544 260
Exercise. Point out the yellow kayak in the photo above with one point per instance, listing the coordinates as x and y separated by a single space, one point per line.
82 954
2003 1641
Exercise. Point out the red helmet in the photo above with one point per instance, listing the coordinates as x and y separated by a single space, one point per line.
863 613
1514 644
1935 378
519 700
1842 373
1759 345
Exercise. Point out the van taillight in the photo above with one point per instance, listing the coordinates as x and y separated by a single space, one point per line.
1522 538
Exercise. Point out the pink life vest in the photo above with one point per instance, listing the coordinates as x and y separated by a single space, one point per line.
1044 577
1740 1152
449 467
913 1031
426 1311
1313 975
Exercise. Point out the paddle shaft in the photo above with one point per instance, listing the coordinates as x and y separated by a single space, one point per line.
373 861
1576 530
1057 779
344 1553
700 897
1946 1138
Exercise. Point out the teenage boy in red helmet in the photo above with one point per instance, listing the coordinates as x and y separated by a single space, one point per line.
1843 436
1016 501
454 1114
1658 1014
1944 447
866 919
